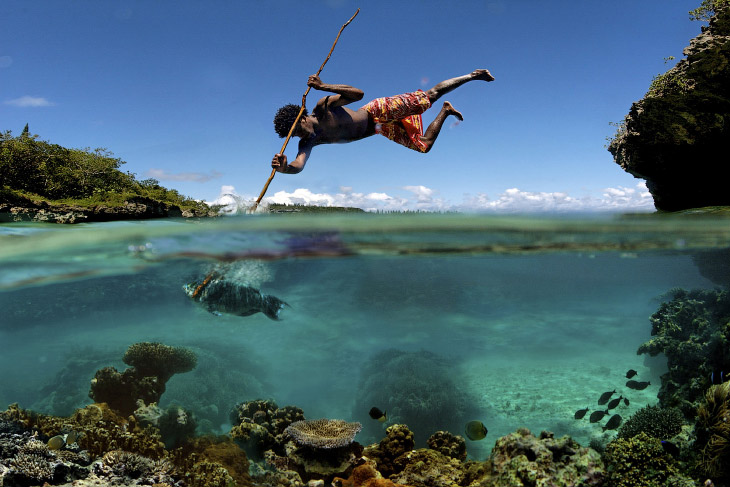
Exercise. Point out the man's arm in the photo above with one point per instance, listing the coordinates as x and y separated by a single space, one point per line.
281 164
344 94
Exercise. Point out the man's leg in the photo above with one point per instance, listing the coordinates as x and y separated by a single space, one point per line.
432 132
450 84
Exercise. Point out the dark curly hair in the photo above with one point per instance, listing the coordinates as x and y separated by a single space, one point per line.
284 118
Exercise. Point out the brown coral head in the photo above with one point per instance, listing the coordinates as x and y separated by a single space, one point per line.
323 433
158 360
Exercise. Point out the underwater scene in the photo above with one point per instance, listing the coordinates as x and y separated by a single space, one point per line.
421 350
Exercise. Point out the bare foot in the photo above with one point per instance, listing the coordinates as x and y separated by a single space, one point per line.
482 74
452 111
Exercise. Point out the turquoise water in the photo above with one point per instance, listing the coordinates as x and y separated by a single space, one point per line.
437 319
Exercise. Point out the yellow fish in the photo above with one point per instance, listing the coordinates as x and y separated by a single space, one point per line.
475 430
56 443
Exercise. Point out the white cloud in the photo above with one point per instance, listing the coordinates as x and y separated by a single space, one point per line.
423 198
29 101
197 177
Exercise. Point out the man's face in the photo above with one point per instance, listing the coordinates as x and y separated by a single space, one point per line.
306 126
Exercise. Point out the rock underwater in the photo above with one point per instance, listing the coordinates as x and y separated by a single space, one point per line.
675 137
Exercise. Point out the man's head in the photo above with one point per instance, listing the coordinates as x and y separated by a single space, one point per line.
284 119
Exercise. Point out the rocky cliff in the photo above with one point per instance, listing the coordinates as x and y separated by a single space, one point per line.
677 137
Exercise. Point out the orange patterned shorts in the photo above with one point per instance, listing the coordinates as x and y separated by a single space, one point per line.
399 118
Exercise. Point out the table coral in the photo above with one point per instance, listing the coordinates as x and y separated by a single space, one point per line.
152 359
323 433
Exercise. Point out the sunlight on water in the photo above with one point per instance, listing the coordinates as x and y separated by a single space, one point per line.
514 321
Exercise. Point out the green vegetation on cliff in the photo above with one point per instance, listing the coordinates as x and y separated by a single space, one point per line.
39 170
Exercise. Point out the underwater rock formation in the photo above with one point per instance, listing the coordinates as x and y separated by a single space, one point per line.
693 332
153 364
453 446
416 388
522 459
677 135
398 440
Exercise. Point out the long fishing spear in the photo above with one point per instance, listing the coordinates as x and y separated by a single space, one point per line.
301 112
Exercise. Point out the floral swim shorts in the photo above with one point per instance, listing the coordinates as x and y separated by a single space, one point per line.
399 118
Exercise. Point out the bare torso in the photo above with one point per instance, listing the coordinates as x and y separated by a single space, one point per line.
340 125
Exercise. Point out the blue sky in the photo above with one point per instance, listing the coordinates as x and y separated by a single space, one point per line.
185 92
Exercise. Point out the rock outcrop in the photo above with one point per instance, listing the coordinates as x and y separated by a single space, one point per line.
678 136
136 208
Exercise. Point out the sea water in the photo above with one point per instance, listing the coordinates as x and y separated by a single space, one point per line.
513 321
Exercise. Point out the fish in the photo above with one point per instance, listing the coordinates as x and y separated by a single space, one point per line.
631 373
614 402
57 442
670 448
580 413
639 386
71 437
378 415
626 401
596 416
220 296
613 423
605 397
475 430
718 377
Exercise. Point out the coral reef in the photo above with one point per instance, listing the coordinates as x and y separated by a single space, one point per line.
212 461
398 440
655 421
176 425
675 134
416 388
423 468
641 461
522 459
323 433
365 476
713 432
259 426
453 446
693 331
158 360
152 365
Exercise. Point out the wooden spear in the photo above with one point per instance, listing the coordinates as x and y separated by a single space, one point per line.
301 112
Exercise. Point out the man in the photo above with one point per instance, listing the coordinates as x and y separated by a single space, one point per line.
396 117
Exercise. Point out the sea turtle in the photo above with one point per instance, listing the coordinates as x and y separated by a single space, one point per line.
226 296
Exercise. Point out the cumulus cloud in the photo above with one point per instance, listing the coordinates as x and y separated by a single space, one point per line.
29 101
422 198
196 177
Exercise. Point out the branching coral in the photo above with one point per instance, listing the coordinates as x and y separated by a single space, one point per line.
641 461
655 421
713 431
259 425
323 433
